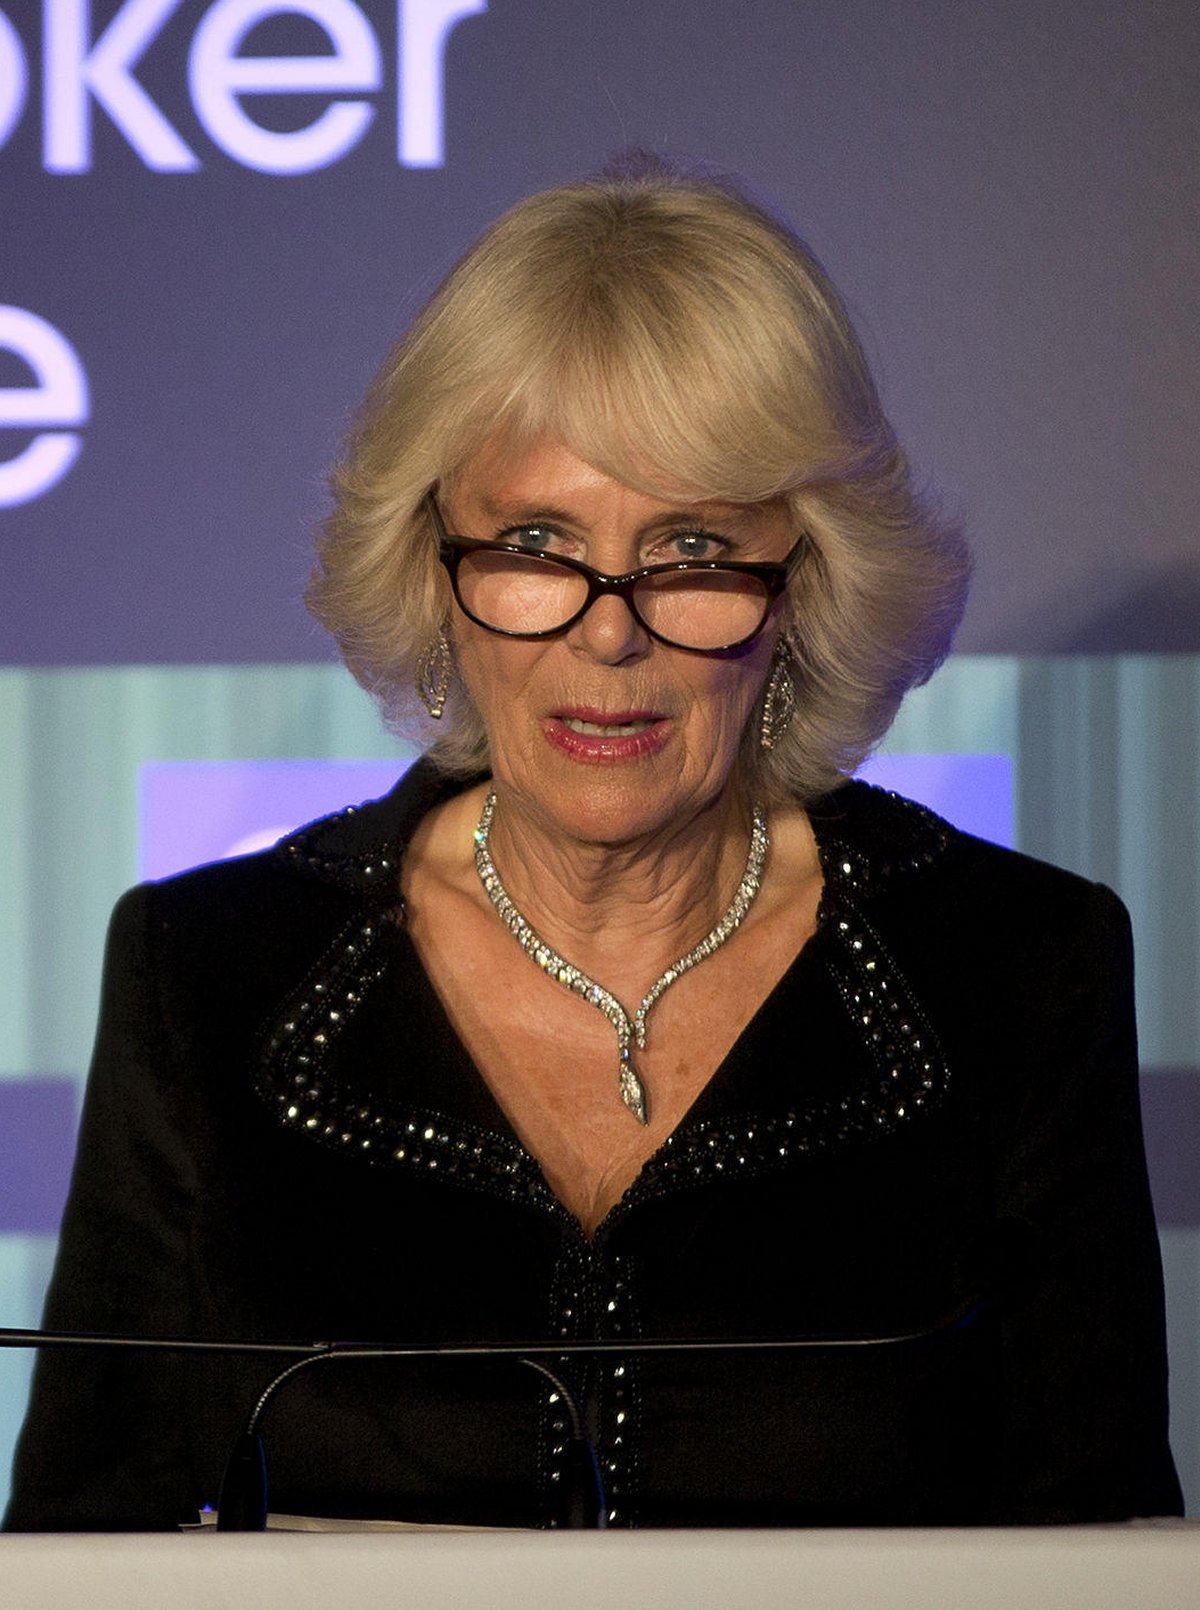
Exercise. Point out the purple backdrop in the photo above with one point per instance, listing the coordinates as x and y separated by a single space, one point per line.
217 214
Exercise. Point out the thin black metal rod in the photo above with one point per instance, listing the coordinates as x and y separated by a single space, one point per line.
539 1349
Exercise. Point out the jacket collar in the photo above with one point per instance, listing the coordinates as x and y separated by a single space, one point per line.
868 840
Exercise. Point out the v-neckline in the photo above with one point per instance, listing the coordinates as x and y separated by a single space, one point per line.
710 1105
880 1067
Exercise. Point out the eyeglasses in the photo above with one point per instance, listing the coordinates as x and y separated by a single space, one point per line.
705 605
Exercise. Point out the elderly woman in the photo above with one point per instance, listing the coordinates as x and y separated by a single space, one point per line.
624 1015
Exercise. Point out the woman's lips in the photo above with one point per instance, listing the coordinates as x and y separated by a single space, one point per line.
607 737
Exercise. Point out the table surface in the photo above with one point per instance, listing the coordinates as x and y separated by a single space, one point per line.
1151 1567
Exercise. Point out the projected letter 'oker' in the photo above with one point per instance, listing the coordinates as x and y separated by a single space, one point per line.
85 70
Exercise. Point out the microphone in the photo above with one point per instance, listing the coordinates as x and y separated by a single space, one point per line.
244 1504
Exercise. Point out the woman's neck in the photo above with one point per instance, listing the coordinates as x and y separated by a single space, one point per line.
623 912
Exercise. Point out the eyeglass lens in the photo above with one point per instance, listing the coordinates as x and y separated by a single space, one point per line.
702 609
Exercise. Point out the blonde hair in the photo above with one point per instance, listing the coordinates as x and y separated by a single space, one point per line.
673 334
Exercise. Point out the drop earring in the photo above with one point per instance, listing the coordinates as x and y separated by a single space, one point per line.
779 705
433 674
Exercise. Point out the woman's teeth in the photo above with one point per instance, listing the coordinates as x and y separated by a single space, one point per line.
593 729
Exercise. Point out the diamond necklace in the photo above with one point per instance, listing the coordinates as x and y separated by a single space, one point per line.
629 1030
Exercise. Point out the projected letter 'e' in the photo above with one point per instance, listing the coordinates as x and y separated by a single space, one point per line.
14 79
58 397
217 75
423 27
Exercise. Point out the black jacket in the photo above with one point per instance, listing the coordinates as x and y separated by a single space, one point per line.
934 1115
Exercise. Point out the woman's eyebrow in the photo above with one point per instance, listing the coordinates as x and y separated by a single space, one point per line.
520 511
524 510
726 514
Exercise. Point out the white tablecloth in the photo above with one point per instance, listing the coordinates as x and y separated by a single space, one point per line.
1077 1568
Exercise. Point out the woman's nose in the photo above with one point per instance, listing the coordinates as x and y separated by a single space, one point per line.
609 632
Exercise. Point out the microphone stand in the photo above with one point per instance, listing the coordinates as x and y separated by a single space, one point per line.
243 1504
243 1499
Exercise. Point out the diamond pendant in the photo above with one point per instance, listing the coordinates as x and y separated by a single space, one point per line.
632 1093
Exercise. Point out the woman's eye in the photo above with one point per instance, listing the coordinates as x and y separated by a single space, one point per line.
537 538
692 545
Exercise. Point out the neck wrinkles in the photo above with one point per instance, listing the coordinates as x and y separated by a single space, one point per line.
639 905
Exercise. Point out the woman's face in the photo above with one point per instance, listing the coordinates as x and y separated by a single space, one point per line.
603 734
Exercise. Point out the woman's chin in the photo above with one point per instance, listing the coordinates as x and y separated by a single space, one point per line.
611 805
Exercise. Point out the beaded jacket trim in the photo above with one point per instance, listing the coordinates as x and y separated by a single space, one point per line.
299 1078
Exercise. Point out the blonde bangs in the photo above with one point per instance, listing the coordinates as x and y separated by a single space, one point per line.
622 333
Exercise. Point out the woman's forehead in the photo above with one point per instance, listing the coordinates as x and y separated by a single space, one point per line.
690 471
509 479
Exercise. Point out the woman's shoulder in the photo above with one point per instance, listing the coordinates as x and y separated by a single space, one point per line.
1015 962
259 921
881 850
